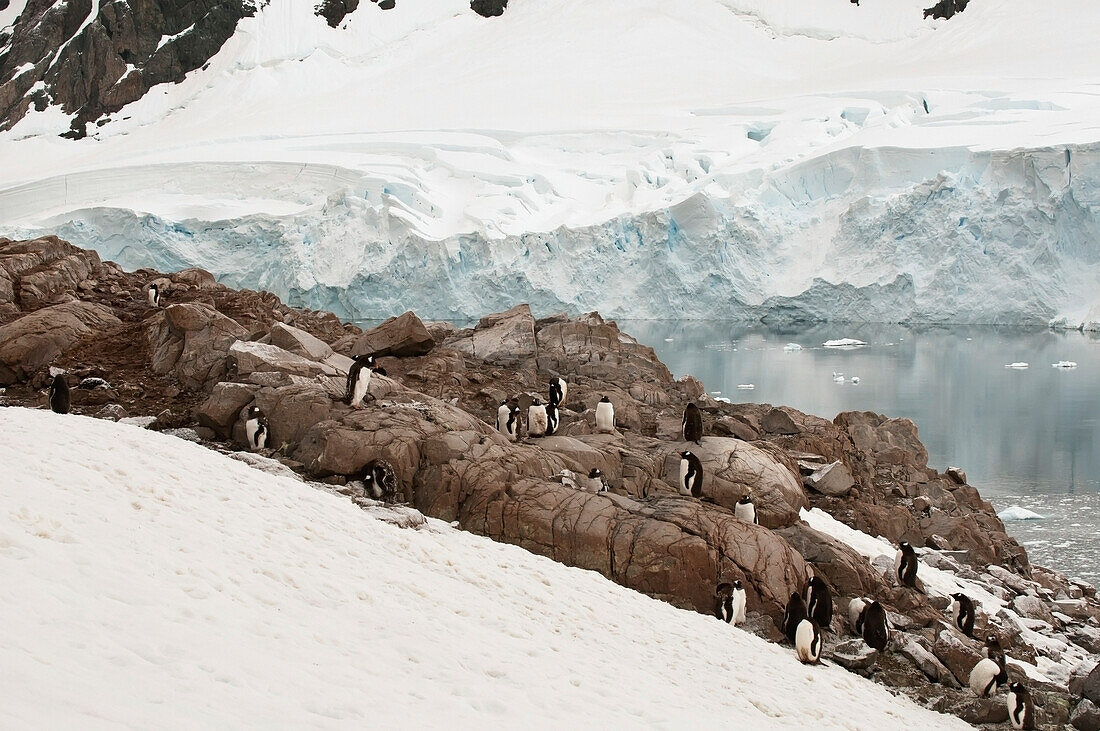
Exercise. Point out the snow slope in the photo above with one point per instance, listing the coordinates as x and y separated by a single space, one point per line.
690 159
150 582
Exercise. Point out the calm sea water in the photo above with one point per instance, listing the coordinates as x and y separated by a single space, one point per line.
1027 437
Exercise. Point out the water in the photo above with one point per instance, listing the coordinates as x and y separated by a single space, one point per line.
1024 437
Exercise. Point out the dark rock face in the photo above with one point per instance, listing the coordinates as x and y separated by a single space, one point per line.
946 8
129 47
334 11
488 8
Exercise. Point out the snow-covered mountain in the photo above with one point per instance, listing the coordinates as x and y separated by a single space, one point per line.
803 160
152 582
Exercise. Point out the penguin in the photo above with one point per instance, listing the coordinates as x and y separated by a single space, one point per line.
807 641
874 626
605 416
693 423
59 394
962 611
723 602
153 295
793 615
503 412
379 481
551 419
855 615
255 428
905 565
359 380
740 600
558 389
595 481
745 510
989 673
691 475
536 419
1021 711
819 602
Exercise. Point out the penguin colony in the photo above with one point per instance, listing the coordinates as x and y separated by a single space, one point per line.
808 613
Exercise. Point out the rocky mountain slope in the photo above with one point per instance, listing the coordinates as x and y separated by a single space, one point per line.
824 490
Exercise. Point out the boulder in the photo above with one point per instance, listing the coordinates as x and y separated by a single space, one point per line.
1086 716
853 654
884 440
957 475
833 479
507 338
192 341
1091 687
778 421
299 342
733 469
958 653
194 277
291 412
33 341
222 408
591 347
847 572
1033 608
490 8
912 648
42 270
401 337
246 357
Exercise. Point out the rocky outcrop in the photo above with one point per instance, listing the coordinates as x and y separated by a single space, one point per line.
505 339
33 342
401 337
946 8
488 8
192 341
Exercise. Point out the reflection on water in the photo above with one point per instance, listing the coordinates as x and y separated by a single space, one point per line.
1024 436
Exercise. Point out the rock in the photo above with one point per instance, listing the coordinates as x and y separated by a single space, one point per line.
112 412
846 572
291 412
778 421
1091 687
911 647
265 464
43 271
401 337
192 341
491 8
299 342
884 440
946 8
1086 716
957 475
980 711
852 654
958 653
250 357
1087 637
222 408
506 339
729 426
194 277
1029 606
834 479
590 347
33 341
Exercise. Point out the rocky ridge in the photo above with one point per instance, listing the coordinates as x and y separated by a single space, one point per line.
194 365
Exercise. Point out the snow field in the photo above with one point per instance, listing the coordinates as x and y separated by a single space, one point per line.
150 582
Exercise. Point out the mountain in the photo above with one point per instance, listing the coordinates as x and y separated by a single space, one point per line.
796 161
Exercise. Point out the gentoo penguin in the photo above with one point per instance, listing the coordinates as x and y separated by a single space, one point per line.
793 615
503 411
379 481
989 673
153 295
855 615
691 475
605 416
558 389
59 394
1021 711
807 641
595 481
359 380
693 423
739 602
962 611
255 428
745 510
551 419
905 565
723 602
819 602
874 626
536 419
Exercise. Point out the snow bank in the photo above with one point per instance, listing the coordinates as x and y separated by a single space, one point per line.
150 582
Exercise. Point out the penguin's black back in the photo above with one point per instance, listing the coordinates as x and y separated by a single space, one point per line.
695 467
907 573
795 613
59 395
965 620
876 629
693 424
821 603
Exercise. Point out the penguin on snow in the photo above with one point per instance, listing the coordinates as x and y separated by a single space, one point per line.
379 481
536 419
691 475
359 380
59 394
255 428
807 641
692 423
605 416
905 565
729 602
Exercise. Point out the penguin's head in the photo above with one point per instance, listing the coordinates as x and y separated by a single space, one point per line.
605 400
992 641
905 547
595 473
1017 687
737 584
153 287
368 477
685 455
536 402
254 412
723 589
745 500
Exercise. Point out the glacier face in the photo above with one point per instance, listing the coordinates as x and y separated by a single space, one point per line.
858 234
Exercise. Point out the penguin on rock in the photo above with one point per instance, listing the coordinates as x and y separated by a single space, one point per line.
255 428
855 614
595 481
605 416
990 672
692 423
905 565
504 411
59 394
558 389
1021 711
552 417
745 510
359 380
152 295
691 475
536 419
962 613
874 626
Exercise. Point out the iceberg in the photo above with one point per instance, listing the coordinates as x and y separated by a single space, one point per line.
844 343
1018 513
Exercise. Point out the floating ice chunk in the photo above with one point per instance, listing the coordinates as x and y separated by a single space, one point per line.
844 343
1018 365
746 386
792 347
669 340
855 380
1018 513
1064 364
723 399
715 393
838 377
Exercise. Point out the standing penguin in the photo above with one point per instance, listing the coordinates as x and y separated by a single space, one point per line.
255 428
595 481
745 510
153 295
503 412
59 394
359 380
605 416
1021 711
905 565
793 615
989 673
551 419
875 626
379 480
558 389
962 611
691 475
807 641
723 602
536 419
739 603
819 602
855 615
693 423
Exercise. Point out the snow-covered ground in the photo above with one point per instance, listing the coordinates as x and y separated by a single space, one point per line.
646 158
150 582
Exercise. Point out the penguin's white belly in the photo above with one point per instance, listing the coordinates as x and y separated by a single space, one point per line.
804 642
685 489
595 484
255 439
502 420
745 512
982 674
362 384
739 606
605 417
855 608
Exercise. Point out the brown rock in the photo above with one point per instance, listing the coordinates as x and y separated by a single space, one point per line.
833 479
33 341
1086 716
778 421
299 342
192 341
195 277
507 338
250 357
401 337
847 572
957 475
591 347
884 440
222 408
958 653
